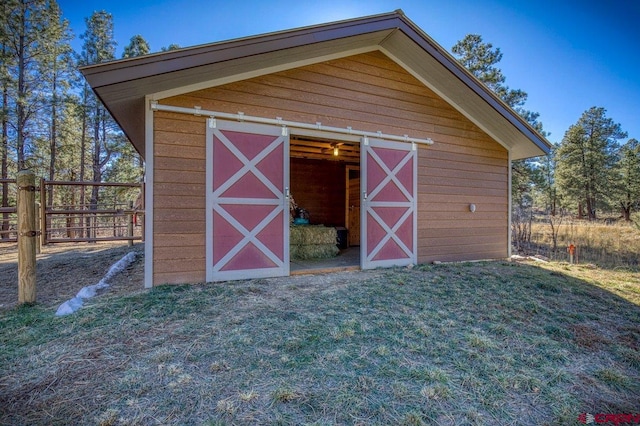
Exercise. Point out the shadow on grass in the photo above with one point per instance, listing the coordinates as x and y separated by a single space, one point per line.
474 343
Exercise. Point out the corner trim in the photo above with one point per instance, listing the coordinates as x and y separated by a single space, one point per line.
148 196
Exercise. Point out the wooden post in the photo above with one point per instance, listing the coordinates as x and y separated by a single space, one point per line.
43 213
142 217
130 224
26 236
38 245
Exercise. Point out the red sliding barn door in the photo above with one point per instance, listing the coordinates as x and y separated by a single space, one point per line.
389 207
247 201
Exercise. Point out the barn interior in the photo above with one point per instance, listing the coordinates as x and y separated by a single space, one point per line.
324 178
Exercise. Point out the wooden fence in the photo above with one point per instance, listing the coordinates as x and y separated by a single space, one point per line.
115 217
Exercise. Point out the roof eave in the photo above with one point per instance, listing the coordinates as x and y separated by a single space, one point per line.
117 83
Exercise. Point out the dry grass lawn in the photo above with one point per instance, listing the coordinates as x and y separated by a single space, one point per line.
450 344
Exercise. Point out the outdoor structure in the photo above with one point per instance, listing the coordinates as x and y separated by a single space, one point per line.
368 123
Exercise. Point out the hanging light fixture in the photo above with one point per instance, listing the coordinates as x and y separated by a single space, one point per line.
335 150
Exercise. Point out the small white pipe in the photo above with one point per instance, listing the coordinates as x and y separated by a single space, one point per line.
155 106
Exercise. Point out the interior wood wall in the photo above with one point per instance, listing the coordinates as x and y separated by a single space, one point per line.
367 92
319 187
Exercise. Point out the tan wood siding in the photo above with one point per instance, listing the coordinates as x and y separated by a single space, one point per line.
367 92
179 199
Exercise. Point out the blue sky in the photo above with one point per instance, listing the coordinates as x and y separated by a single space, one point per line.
568 55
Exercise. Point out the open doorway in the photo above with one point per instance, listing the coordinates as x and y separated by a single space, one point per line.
318 168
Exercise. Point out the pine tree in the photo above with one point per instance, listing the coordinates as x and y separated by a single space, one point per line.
137 46
628 178
26 27
6 82
172 46
57 70
585 161
99 46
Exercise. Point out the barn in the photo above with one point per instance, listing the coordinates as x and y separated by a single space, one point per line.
367 123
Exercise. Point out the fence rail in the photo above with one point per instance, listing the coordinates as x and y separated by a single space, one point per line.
76 216
8 218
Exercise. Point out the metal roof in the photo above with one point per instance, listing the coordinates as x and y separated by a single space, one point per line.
122 85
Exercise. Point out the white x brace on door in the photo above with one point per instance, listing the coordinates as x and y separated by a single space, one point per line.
247 201
389 205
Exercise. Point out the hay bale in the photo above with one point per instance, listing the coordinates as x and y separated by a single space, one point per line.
312 235
313 251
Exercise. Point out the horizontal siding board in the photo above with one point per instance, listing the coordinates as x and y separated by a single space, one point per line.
493 247
477 191
180 124
189 214
464 224
425 233
180 265
429 181
179 164
181 188
182 226
457 199
167 139
480 177
171 176
467 241
484 254
181 151
178 240
463 215
193 277
428 209
178 201
184 253
427 163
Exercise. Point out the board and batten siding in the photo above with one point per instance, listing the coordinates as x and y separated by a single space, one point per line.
367 92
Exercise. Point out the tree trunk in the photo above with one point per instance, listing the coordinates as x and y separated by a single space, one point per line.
626 211
97 175
4 149
53 140
580 211
20 128
83 153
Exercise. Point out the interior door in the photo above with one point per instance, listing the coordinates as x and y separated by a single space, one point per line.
389 205
247 201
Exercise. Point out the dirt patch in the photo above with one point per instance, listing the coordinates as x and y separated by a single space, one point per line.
588 337
63 269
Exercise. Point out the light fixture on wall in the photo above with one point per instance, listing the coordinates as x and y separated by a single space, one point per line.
472 208
335 149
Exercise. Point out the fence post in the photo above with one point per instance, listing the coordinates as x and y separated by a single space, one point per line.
26 236
38 245
130 224
43 213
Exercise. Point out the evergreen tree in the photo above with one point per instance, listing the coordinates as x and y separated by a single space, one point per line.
57 69
137 46
6 83
99 46
26 31
628 178
585 160
172 46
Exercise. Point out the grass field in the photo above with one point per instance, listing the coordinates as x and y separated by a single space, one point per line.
608 246
449 344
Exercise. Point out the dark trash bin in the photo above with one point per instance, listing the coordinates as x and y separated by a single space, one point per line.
342 241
